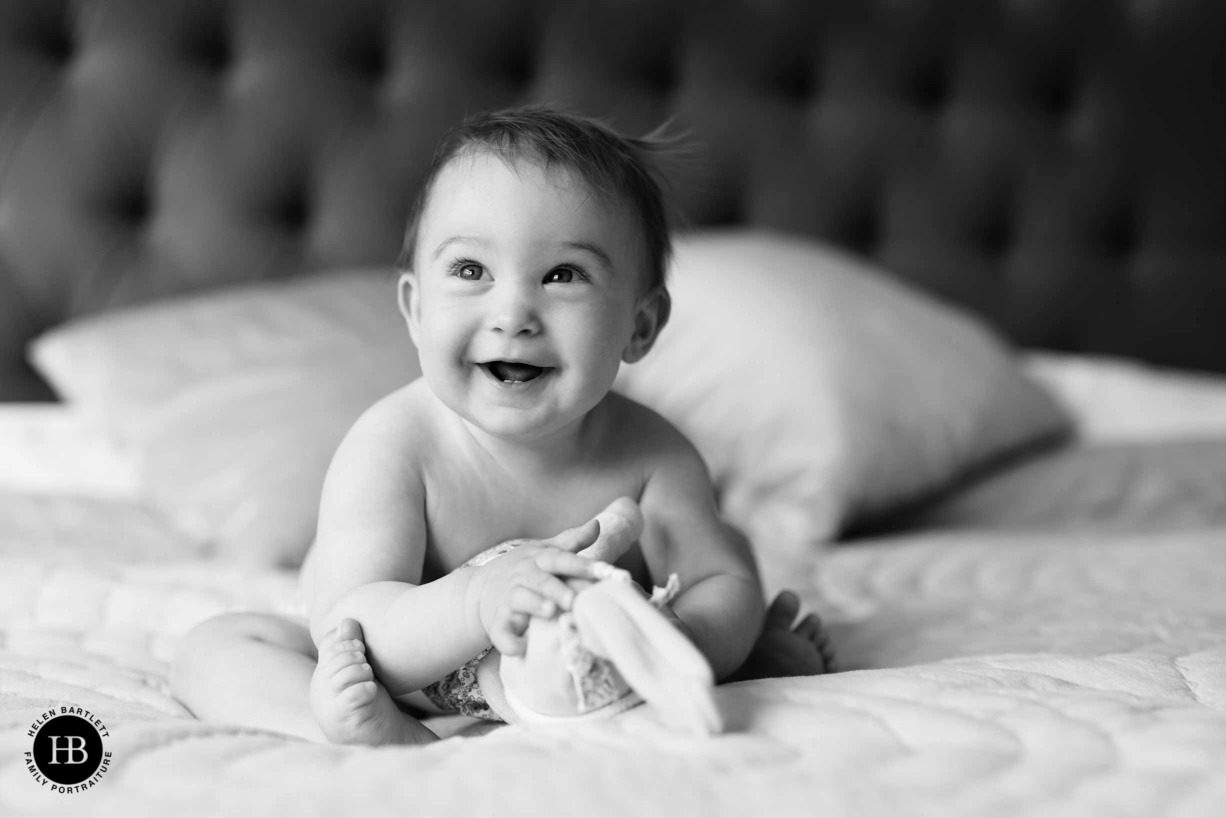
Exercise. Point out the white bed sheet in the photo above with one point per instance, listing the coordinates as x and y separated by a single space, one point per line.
987 672
1000 675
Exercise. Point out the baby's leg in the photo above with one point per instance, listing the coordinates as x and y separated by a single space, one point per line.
257 670
250 669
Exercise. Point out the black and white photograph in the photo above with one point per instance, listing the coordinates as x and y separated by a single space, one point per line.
613 408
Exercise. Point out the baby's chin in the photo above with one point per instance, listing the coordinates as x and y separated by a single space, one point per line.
515 425
524 418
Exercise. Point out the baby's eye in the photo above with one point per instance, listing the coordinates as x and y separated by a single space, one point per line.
468 271
562 275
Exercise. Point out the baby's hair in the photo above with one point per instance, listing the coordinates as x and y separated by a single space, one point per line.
617 168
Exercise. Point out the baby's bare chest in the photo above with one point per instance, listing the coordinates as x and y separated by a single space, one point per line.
469 513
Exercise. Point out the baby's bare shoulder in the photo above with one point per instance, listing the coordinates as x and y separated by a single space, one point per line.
403 418
640 430
390 438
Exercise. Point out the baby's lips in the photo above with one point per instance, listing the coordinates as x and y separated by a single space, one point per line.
514 370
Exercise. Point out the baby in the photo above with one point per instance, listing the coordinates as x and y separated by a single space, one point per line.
533 267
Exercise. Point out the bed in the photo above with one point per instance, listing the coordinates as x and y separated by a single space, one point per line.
947 332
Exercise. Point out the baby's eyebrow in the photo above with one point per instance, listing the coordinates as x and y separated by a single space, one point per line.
445 243
595 249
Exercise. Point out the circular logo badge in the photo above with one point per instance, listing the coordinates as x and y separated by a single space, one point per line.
67 755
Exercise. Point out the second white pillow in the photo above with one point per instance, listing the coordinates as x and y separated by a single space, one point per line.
820 390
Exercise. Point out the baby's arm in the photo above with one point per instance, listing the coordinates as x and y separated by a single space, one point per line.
720 605
370 550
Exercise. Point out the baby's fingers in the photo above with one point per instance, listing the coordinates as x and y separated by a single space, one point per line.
507 635
576 539
549 588
524 600
566 564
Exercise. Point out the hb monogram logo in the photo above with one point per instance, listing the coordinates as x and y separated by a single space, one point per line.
68 755
76 752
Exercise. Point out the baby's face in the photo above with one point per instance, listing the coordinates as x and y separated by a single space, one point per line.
524 296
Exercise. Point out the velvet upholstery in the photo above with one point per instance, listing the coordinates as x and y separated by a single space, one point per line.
1057 165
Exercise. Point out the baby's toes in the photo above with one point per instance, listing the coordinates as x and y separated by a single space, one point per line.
814 630
339 662
343 637
810 628
357 675
340 650
783 610
348 629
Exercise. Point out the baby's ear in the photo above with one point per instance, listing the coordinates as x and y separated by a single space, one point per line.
650 316
408 296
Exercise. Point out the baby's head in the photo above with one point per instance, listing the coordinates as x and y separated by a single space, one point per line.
616 169
533 265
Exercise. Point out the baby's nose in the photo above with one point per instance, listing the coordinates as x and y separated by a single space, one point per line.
516 313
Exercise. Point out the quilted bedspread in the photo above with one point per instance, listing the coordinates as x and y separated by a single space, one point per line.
989 674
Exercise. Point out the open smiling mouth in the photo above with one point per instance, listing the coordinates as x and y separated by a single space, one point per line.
513 372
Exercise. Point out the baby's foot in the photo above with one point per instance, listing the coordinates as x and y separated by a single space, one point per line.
350 706
787 649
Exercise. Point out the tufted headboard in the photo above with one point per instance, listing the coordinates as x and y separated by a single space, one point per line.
1057 165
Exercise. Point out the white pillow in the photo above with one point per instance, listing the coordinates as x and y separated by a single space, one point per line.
1117 400
239 462
820 390
46 448
232 402
120 368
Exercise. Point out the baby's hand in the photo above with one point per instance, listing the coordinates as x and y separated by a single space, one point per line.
529 581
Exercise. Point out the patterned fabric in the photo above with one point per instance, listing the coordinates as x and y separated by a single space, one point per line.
597 682
458 692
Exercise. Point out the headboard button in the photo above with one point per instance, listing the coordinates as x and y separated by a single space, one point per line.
213 52
133 206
